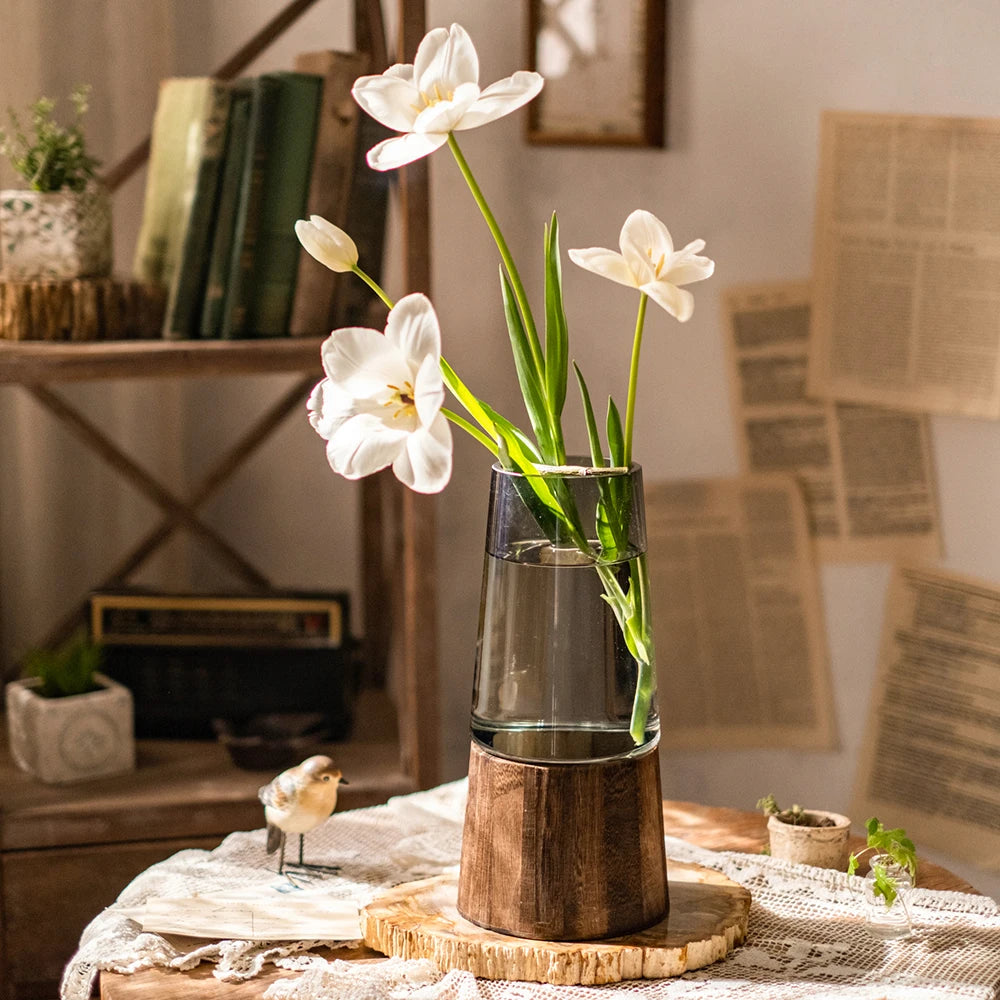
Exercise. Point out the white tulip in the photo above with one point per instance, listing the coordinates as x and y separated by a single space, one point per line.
329 244
435 95
649 262
380 403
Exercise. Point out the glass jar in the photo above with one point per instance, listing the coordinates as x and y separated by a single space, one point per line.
887 920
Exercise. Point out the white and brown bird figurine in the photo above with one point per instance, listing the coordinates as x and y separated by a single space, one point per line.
297 801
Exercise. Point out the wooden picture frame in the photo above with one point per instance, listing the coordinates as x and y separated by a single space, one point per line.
604 63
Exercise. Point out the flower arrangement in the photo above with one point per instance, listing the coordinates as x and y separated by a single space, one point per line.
381 402
50 156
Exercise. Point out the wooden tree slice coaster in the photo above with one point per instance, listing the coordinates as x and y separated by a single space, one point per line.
708 918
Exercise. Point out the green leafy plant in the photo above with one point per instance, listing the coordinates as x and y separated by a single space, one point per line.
893 844
794 816
67 670
48 155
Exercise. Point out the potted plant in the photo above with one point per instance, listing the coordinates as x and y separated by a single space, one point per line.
67 721
806 836
58 225
892 872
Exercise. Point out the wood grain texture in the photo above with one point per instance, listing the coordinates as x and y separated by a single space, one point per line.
80 309
708 918
563 851
30 363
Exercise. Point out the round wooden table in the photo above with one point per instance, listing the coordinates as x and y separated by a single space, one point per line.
713 827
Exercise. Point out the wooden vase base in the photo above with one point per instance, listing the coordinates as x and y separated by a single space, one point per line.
563 851
708 918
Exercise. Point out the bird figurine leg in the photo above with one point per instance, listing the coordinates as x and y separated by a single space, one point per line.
297 801
313 867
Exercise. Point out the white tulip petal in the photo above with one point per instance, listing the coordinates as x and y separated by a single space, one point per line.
403 149
326 242
687 266
677 301
425 463
502 97
688 271
645 240
328 408
363 445
446 58
389 99
401 71
428 390
362 362
606 263
445 116
412 328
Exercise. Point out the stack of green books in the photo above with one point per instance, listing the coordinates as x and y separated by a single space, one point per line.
233 165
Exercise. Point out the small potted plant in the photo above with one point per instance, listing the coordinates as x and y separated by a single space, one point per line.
806 836
66 720
892 872
58 225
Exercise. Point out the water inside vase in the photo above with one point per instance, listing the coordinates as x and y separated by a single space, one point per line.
555 680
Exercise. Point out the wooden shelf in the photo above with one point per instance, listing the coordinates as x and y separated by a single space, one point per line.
34 362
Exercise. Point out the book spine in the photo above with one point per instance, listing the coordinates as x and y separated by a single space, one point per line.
169 179
317 287
223 232
240 277
367 210
287 168
187 289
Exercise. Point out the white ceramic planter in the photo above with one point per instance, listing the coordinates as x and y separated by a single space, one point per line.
60 740
55 235
821 846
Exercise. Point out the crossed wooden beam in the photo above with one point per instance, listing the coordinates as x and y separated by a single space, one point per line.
177 512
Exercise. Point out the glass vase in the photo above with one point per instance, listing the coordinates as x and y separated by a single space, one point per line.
555 677
885 921
563 836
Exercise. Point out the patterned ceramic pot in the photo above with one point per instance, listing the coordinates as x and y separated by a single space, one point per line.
60 740
55 235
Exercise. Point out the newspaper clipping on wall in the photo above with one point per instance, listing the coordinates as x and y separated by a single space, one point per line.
867 472
931 759
906 267
740 647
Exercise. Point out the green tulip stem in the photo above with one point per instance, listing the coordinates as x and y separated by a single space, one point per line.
633 377
373 285
505 254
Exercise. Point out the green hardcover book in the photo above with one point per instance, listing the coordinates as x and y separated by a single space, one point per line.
184 105
246 222
187 288
223 229
285 187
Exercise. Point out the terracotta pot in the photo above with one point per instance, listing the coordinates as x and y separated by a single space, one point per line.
82 736
55 235
821 846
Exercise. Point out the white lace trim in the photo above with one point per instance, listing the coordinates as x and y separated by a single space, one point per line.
806 925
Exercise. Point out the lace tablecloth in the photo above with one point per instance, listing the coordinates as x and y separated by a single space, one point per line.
807 936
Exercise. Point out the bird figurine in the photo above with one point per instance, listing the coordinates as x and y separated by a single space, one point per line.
297 801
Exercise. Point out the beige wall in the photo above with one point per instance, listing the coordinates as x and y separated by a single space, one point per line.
747 82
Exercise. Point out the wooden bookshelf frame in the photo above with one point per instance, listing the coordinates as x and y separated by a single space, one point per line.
398 527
